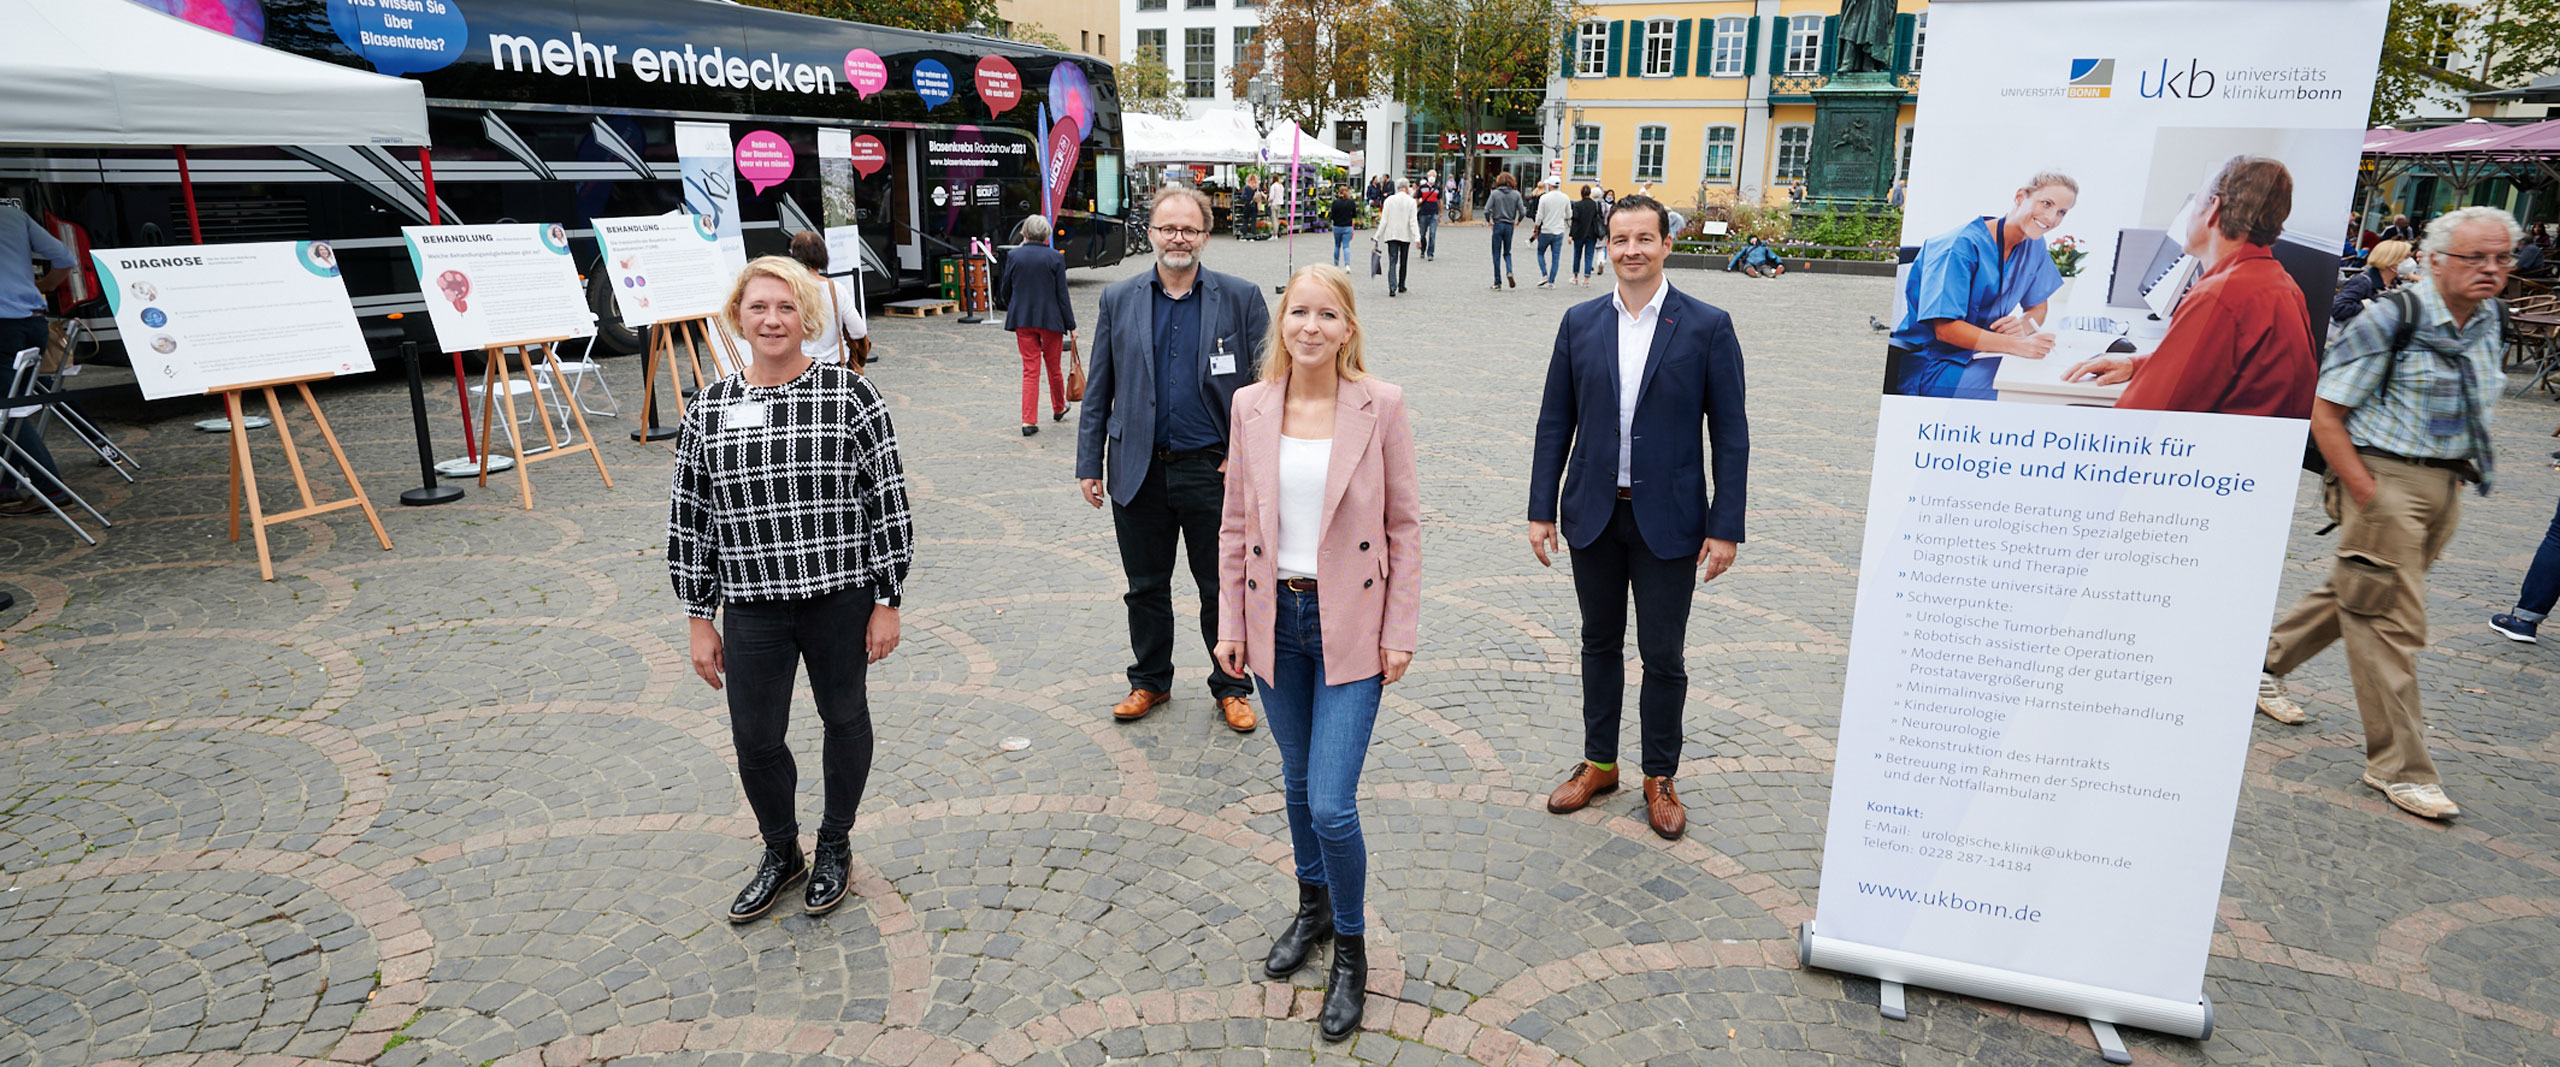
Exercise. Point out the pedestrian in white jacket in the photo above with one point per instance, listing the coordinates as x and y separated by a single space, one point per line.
1399 226
1553 221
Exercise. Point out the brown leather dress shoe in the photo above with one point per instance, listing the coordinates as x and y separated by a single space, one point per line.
1137 704
1239 713
1662 809
1585 783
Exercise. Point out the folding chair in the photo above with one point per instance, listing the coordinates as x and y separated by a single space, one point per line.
575 371
21 465
50 381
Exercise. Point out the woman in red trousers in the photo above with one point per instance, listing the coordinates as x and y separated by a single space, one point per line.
1036 309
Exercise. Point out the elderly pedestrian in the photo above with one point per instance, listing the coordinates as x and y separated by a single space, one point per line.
787 523
1041 317
1170 348
1319 596
1397 227
2402 434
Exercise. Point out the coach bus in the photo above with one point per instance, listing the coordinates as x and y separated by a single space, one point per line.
566 110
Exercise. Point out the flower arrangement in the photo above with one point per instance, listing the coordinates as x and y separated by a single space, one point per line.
2067 253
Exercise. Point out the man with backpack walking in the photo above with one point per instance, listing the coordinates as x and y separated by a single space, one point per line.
2405 397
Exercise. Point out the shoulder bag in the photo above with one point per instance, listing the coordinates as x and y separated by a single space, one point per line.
857 350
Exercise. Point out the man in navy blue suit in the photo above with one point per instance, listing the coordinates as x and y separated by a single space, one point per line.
1636 377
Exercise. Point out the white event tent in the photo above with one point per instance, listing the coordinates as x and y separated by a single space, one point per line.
1309 149
1219 136
111 72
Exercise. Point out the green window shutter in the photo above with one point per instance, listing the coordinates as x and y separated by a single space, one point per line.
1680 51
1830 43
1617 45
1779 28
1904 26
1572 40
1751 47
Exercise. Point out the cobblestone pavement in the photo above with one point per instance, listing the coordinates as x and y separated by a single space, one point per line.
462 802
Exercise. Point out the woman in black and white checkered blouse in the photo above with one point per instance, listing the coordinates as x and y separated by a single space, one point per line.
789 512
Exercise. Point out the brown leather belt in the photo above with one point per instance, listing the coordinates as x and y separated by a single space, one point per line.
1298 585
1625 493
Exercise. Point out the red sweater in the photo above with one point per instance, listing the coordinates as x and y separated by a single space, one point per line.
2239 344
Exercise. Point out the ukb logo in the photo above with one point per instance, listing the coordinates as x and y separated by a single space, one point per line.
2193 83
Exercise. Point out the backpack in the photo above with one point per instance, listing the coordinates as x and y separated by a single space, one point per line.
2404 304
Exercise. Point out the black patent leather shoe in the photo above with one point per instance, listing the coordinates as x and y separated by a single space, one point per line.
1346 988
827 874
1313 925
774 874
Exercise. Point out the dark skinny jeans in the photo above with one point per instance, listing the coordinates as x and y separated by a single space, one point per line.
2542 580
763 644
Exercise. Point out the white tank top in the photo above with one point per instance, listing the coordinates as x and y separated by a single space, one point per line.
1302 469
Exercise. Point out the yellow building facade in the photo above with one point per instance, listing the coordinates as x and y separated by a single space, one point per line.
1690 94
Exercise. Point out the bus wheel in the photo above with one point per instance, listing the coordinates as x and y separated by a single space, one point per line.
616 337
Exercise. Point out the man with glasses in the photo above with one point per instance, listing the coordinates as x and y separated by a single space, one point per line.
2403 419
1170 349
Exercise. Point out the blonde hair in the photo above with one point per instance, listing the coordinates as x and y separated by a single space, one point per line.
1347 363
805 293
2387 255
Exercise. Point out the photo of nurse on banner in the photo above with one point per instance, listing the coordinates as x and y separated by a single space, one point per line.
2193 288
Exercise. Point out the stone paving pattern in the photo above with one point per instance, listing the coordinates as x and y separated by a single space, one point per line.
462 802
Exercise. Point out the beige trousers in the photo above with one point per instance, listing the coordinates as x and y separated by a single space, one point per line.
2376 598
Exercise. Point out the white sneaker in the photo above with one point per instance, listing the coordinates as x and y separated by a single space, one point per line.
2275 705
2427 800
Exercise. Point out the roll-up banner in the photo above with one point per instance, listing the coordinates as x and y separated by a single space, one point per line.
2119 248
708 160
839 178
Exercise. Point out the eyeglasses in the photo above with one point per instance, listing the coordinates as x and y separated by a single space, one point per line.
1179 233
2478 260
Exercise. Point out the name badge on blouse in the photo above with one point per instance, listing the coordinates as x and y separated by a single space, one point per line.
743 415
1222 361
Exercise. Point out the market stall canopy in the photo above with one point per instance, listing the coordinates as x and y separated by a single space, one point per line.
110 72
2470 135
1214 137
2381 138
1310 150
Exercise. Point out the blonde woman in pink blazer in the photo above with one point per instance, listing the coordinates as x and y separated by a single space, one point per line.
1320 495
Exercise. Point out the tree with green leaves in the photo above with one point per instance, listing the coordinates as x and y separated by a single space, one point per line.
2416 45
1475 61
2520 40
1321 55
1146 86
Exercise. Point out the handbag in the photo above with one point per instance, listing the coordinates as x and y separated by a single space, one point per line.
1377 259
857 350
1075 374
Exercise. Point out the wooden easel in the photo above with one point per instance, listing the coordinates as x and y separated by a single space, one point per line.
696 334
244 477
495 390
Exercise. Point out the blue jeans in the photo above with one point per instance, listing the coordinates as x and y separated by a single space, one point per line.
1501 252
1550 255
1430 236
1342 247
2542 580
1586 256
1323 734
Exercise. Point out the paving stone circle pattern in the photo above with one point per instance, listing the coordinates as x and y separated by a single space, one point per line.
464 803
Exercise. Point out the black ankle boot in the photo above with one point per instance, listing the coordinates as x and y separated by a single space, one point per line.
1314 923
774 874
828 874
1346 988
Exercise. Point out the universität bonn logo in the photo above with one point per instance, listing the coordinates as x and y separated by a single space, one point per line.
2092 78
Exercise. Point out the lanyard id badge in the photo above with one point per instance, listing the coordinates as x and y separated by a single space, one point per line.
1223 361
742 415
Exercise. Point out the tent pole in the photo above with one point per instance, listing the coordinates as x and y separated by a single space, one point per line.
427 178
187 189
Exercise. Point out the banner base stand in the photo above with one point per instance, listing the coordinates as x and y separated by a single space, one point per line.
1889 1001
2110 1043
2108 1008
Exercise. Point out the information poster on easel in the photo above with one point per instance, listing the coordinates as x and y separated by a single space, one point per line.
496 285
202 318
663 267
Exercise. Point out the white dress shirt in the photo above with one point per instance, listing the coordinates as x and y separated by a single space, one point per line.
1635 342
1303 463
